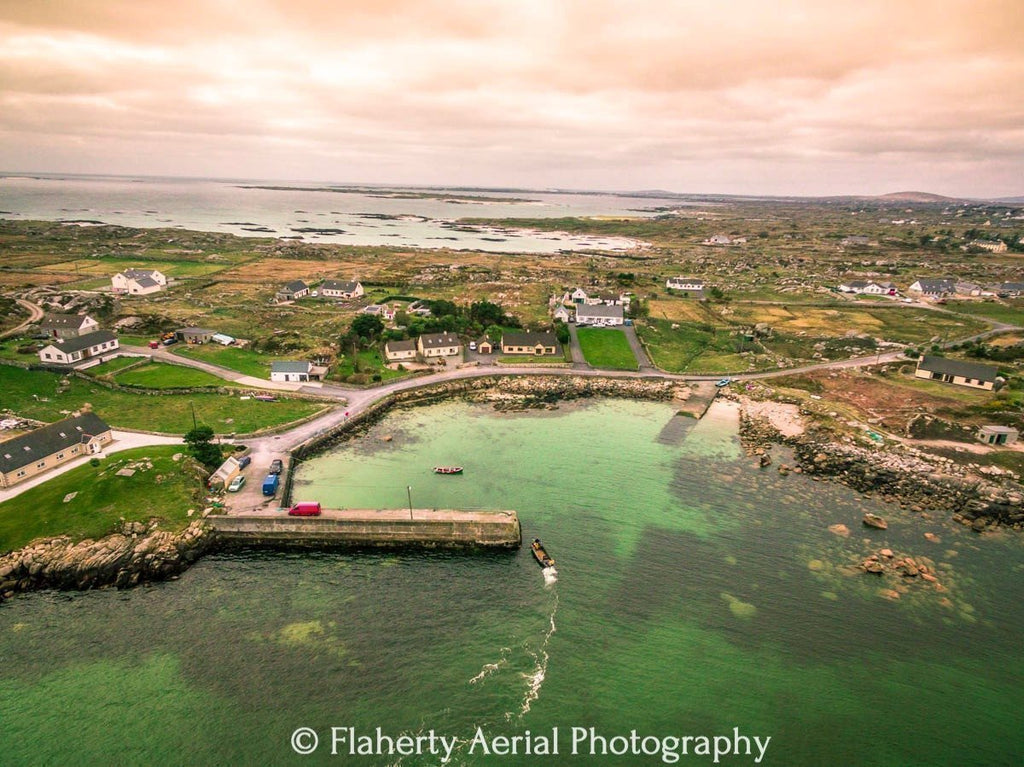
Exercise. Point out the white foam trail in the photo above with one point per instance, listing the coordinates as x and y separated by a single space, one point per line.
550 575
536 679
490 668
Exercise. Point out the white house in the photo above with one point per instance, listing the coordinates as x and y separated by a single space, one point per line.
576 296
139 282
599 315
869 288
684 283
383 311
68 325
992 246
400 351
561 313
74 350
438 345
292 290
958 372
718 239
295 371
339 289
930 287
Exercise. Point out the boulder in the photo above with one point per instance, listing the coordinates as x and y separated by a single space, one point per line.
873 520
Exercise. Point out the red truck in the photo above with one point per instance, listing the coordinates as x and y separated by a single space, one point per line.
305 509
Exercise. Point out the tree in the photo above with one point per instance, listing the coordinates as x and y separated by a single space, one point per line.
368 326
486 313
201 447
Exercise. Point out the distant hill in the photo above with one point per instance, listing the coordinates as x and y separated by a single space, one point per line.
915 197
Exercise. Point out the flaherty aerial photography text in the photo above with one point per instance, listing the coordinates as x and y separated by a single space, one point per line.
412 383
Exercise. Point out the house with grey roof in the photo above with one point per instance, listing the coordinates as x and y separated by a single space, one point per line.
296 371
46 448
72 351
400 351
139 282
537 344
599 315
195 335
960 372
933 287
68 325
431 345
292 290
1011 289
339 289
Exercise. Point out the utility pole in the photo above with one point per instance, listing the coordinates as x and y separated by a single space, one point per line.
193 406
408 489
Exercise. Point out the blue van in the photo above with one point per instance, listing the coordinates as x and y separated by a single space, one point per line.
270 484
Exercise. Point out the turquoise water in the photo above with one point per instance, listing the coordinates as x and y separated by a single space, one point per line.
696 594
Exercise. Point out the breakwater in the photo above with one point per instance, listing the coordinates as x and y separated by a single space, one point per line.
374 528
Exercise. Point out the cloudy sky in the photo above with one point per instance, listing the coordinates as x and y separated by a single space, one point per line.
730 96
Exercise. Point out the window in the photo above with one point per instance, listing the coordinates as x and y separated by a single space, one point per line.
60 456
21 473
41 464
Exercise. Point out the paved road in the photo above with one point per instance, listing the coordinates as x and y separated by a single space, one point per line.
642 360
579 362
166 354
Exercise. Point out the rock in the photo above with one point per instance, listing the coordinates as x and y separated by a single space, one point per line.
839 529
889 593
872 566
764 460
932 537
873 520
886 553
979 524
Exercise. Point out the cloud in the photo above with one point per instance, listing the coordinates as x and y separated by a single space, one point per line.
578 92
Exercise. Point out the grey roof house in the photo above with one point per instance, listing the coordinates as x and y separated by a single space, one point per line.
45 448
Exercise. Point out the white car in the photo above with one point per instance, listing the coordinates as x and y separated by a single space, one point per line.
236 484
472 346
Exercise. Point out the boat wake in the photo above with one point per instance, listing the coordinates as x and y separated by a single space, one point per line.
536 678
550 575
490 668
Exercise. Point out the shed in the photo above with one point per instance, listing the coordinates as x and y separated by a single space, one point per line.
997 435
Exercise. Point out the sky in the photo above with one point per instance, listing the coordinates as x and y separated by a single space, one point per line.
792 97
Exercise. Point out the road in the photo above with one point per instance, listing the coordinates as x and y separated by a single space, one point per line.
35 314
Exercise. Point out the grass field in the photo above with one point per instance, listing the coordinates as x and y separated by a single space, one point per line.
164 492
606 348
40 395
157 375
244 361
370 364
1010 311
9 349
691 348
110 367
108 266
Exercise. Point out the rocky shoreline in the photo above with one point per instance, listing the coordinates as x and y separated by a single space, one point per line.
916 480
136 554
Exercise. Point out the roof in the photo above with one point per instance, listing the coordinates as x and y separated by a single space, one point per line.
295 286
137 274
935 284
529 339
687 280
344 287
401 346
36 445
857 284
995 429
599 310
953 367
290 366
64 320
84 342
1012 286
436 340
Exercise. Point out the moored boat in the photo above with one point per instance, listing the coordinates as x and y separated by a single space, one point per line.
447 469
540 554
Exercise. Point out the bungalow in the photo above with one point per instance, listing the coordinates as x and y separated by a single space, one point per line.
959 372
292 290
438 345
50 446
194 335
537 344
1011 288
296 371
684 283
74 350
933 287
869 288
68 325
400 351
997 435
599 315
339 289
139 282
561 314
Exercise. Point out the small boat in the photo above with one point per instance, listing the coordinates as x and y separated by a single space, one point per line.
540 554
447 469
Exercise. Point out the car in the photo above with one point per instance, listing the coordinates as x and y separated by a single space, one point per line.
236 484
244 461
723 382
305 509
472 346
276 466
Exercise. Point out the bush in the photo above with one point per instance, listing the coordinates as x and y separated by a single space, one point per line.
94 461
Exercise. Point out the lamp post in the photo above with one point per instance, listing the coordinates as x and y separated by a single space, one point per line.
408 489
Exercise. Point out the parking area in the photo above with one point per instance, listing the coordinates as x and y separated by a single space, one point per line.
250 498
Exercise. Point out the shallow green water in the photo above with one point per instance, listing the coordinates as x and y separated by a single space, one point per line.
695 594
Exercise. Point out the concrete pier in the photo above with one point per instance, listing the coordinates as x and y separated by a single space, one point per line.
432 528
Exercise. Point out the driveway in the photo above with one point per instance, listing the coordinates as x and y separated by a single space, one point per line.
579 362
638 349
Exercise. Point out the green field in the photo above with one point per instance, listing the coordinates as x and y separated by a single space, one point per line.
607 348
1010 311
112 366
9 349
157 375
164 492
691 347
41 395
235 358
371 364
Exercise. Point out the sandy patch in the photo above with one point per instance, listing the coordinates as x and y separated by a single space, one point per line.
784 417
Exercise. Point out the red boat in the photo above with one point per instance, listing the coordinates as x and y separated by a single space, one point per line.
447 469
